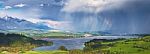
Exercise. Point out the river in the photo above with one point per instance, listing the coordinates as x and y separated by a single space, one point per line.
75 43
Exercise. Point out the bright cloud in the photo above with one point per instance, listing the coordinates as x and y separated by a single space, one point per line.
41 4
20 5
91 5
61 25
7 7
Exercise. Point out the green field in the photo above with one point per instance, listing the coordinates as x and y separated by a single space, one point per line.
130 46
57 35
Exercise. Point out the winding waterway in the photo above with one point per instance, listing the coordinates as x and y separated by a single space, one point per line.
75 43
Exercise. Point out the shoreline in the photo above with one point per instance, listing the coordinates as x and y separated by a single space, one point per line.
76 43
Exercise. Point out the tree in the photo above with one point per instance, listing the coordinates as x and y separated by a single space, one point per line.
62 48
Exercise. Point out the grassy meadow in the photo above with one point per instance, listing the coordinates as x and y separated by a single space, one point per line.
122 46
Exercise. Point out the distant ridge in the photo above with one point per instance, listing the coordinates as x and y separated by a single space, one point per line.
7 23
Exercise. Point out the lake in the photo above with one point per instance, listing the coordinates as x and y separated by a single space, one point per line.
75 43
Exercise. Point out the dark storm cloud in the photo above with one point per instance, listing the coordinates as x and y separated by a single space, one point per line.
132 17
51 12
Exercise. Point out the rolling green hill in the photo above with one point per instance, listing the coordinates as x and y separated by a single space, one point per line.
121 46
17 42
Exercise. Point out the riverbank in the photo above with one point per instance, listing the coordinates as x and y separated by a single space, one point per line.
75 43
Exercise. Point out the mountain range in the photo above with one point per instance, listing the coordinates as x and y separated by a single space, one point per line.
10 23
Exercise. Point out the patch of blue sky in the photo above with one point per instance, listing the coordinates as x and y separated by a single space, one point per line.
1 5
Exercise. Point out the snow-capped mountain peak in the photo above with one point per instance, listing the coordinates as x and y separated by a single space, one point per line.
6 17
8 22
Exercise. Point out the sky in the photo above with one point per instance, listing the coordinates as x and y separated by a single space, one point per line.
115 16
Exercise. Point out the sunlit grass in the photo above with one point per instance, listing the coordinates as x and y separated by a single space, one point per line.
46 52
131 47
